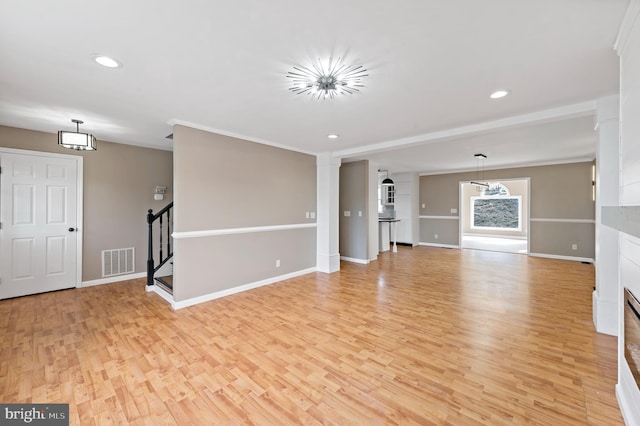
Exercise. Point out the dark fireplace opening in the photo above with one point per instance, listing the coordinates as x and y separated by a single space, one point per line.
632 333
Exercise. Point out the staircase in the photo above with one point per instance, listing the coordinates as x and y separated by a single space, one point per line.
162 273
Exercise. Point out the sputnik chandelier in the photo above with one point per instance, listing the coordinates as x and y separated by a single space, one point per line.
327 80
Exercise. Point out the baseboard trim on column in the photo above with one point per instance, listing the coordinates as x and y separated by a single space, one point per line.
328 263
605 315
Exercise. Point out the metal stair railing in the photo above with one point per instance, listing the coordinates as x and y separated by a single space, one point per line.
164 255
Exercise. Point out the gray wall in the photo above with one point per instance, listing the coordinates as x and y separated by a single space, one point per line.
354 181
561 206
119 183
224 183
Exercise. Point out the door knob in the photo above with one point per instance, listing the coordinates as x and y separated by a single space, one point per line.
72 229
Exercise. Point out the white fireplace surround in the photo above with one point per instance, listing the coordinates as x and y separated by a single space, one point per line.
626 219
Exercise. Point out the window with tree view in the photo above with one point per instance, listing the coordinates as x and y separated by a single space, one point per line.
496 209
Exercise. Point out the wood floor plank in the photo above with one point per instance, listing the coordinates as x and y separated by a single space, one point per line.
423 336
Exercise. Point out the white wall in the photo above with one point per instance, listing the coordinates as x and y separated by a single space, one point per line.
628 47
406 205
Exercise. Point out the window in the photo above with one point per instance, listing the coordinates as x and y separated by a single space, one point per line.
496 209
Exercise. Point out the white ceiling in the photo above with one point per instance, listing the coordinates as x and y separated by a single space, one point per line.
221 66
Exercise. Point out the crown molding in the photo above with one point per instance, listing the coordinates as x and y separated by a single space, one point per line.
175 121
563 112
513 166
628 22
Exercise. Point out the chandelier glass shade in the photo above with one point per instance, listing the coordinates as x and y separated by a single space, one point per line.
327 80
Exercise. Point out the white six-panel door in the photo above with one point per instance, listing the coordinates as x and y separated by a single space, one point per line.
39 239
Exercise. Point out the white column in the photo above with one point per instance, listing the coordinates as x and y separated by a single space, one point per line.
372 213
328 248
605 296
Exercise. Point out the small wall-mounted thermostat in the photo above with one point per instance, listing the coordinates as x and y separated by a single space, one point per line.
159 194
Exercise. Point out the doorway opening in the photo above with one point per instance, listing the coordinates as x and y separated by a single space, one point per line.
494 216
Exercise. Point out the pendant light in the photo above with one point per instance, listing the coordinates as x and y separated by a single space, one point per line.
387 180
76 140
480 161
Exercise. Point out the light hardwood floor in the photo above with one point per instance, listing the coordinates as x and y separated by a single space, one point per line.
423 336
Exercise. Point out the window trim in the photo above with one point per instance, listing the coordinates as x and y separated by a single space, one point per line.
495 197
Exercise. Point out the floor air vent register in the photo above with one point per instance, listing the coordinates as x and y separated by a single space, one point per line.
118 261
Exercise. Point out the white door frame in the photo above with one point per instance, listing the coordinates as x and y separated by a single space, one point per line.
79 188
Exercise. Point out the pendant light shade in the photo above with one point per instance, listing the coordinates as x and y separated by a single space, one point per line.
387 180
76 140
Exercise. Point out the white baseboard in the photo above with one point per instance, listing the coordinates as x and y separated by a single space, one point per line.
162 293
451 246
354 260
328 263
630 411
115 279
250 286
555 256
605 315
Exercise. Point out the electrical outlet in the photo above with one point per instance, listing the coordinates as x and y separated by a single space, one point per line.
423 205
313 215
277 263
306 215
435 236
454 211
347 213
360 213
574 247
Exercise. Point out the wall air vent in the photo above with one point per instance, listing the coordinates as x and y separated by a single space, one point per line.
118 261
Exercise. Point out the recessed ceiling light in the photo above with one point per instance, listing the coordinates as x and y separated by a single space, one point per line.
333 136
107 61
499 94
